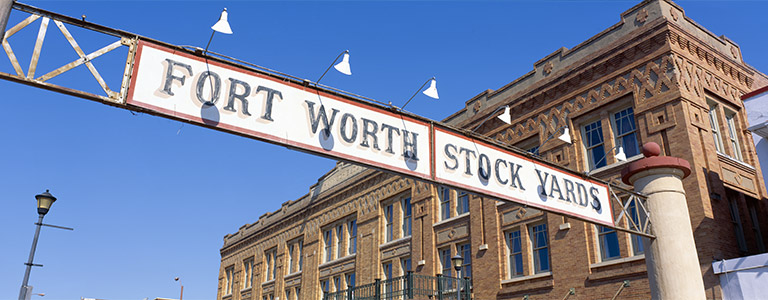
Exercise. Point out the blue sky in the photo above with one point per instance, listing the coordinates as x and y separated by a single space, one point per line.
151 199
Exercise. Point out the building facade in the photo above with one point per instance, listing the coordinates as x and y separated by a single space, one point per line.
656 76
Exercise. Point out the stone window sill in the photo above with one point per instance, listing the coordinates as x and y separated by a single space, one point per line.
338 260
450 220
529 277
617 261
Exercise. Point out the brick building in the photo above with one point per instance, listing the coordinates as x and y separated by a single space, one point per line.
657 76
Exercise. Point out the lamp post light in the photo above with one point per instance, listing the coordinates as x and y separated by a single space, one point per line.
457 261
44 202
181 295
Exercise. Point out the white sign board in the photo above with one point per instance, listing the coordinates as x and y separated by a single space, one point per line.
184 86
482 168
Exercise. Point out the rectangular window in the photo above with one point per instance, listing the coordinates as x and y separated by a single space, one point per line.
445 203
339 240
465 251
608 242
406 206
626 131
714 125
229 283
595 146
291 253
405 264
301 258
540 248
388 285
352 231
462 203
325 286
248 273
388 220
738 230
729 120
350 280
271 257
387 267
445 261
337 283
328 239
756 227
515 250
638 218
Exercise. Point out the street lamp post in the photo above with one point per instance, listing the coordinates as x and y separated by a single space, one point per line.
457 261
181 295
44 202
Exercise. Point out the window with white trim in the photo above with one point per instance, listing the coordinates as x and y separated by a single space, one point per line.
405 205
270 257
736 220
638 218
595 145
328 241
444 194
352 231
625 131
730 121
608 243
248 273
229 280
756 225
340 240
514 253
389 222
462 202
540 248
715 127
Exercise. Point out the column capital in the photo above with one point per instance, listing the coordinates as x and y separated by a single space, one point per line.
652 160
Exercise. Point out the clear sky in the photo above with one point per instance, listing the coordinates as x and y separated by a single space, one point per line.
151 199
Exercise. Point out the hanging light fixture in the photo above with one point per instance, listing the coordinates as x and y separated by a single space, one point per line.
343 66
566 136
221 26
506 116
431 91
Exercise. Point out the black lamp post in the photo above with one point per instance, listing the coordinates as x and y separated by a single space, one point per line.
457 261
44 202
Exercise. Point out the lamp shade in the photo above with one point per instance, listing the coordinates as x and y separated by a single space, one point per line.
222 25
505 116
566 136
431 91
343 66
457 261
44 202
621 156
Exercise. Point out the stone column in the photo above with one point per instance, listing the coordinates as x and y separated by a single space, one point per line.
671 258
5 11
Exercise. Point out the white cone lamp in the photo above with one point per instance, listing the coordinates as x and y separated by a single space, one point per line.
566 136
222 25
506 117
343 66
431 91
621 156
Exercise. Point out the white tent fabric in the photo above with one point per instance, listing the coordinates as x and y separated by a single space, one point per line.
743 277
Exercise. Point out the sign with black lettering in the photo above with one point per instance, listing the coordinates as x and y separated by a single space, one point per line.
482 168
184 86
